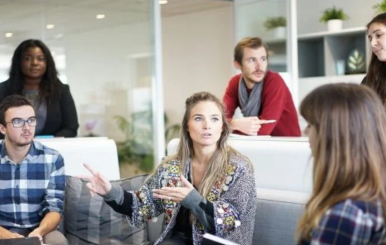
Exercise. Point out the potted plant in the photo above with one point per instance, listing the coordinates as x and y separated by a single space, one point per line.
135 152
380 7
334 18
277 25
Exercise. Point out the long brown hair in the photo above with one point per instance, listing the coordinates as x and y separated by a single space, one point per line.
349 152
220 158
376 74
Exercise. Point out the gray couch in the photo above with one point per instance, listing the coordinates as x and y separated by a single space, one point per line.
88 220
277 214
275 222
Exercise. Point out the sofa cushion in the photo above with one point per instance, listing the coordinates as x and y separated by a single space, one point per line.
277 216
89 220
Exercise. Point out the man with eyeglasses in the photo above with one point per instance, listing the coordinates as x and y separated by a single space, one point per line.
32 177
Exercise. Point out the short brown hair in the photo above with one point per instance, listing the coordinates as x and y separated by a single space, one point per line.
11 101
248 42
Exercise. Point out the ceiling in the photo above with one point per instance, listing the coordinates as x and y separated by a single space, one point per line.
29 17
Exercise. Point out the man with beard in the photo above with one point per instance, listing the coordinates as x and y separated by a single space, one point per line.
31 177
262 95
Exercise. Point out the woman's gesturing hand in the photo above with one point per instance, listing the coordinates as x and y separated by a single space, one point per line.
175 194
97 183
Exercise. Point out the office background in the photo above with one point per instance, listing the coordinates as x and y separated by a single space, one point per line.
106 50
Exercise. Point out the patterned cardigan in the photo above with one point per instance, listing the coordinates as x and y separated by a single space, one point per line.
233 197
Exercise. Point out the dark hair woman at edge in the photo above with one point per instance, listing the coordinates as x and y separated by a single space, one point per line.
376 74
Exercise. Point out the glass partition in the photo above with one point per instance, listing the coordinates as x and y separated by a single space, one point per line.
266 19
273 21
106 52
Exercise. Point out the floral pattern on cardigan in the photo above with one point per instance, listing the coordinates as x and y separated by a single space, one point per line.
233 197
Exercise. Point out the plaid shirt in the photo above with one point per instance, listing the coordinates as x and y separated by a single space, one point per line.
32 188
350 222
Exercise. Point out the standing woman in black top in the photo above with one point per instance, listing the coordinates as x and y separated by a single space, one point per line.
33 74
376 74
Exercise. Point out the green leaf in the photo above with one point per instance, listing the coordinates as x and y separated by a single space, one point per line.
333 14
380 7
274 22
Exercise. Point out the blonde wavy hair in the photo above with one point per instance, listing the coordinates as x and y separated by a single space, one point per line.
185 151
349 154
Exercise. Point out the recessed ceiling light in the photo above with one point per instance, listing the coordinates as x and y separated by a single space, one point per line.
163 1
100 16
50 26
8 34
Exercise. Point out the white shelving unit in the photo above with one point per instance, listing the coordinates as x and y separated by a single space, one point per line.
277 55
308 84
346 31
319 52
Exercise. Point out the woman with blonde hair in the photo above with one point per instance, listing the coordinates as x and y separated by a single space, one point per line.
347 135
206 187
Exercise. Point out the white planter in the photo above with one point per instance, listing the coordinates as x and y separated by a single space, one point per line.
334 25
279 32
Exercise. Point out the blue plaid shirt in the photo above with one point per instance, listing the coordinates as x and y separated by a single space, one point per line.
350 222
32 188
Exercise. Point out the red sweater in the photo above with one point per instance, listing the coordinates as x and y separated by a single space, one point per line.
276 103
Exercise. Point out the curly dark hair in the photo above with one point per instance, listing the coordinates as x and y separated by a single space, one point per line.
50 84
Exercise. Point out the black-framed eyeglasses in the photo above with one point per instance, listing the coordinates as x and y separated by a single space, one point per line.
19 122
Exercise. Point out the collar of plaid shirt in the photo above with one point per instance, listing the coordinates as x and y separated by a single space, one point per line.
5 159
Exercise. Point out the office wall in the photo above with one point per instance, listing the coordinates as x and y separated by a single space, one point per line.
103 75
197 56
252 15
309 12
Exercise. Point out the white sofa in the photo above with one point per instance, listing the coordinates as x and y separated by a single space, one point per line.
99 152
279 163
283 173
282 168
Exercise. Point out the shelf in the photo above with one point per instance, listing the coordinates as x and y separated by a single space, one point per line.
320 54
275 41
355 78
342 32
311 57
277 55
306 85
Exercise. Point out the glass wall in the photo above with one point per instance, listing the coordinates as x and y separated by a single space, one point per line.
273 21
105 51
266 19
